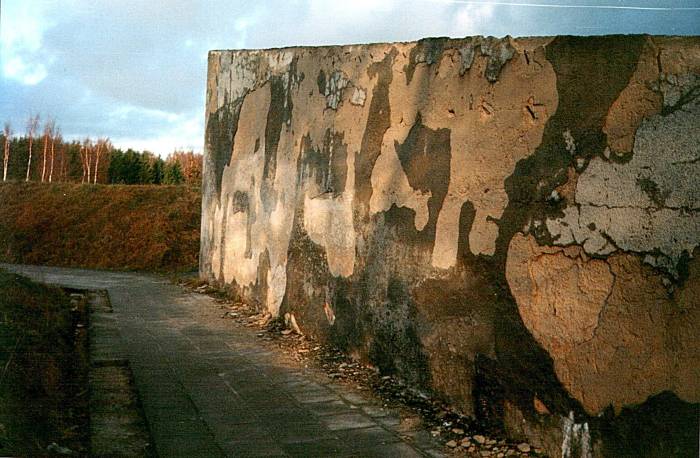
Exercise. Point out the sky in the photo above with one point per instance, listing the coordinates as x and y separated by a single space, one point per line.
135 70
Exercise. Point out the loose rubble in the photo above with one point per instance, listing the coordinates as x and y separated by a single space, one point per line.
456 432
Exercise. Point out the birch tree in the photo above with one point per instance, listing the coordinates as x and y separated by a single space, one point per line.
32 124
103 145
7 132
49 127
56 138
85 158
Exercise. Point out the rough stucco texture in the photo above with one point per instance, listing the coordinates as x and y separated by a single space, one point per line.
516 220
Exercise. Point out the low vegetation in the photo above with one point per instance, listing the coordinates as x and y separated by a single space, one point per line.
43 370
120 227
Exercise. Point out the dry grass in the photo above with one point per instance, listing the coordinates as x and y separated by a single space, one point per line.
152 228
43 369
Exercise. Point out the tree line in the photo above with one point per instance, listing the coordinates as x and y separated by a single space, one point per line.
43 155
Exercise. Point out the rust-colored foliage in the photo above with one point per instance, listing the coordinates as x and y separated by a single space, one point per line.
100 226
190 164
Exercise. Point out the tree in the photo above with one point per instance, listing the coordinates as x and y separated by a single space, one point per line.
85 152
146 165
103 144
73 164
173 173
32 124
116 166
56 138
190 165
7 132
158 170
49 127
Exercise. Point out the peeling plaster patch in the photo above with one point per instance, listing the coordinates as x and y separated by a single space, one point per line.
233 77
358 97
280 61
647 205
606 323
427 52
576 442
570 143
498 51
391 186
560 294
328 222
678 90
466 54
334 86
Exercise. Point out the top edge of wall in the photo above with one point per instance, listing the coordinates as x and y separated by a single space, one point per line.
450 39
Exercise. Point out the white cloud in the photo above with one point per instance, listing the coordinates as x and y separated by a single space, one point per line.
27 73
471 19
181 132
21 32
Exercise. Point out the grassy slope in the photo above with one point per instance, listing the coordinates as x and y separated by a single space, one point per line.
42 369
100 226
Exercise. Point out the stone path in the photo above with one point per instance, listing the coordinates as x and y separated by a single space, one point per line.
209 390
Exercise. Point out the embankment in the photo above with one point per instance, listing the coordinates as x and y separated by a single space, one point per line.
152 228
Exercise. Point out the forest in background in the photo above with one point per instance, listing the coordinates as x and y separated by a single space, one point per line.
43 155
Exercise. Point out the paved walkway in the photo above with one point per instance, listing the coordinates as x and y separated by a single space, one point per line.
210 390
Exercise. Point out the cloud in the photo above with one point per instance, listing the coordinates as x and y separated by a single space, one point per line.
23 59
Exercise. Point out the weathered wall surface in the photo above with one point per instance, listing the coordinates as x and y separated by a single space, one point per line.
513 224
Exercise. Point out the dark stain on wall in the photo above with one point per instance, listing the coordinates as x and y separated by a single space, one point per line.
427 51
259 291
308 279
321 82
395 346
239 202
395 256
221 129
425 157
378 121
327 164
279 115
664 426
224 222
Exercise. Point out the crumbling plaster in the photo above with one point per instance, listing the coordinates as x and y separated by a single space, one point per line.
451 200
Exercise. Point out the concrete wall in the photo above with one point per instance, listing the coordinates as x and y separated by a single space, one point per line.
512 224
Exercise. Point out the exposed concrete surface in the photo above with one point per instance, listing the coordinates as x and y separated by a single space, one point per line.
512 223
208 392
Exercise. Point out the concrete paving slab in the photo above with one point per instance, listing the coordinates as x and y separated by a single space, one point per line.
209 389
